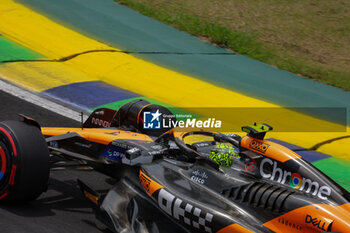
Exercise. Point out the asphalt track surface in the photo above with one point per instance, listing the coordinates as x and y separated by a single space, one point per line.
62 208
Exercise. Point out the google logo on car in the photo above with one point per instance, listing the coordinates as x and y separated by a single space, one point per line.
295 180
269 169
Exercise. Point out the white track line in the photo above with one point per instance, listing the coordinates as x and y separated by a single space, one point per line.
40 101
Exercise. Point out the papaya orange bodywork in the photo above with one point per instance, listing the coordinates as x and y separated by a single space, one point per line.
269 149
313 218
150 185
98 135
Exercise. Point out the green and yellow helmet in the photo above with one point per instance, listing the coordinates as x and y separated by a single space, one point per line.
223 154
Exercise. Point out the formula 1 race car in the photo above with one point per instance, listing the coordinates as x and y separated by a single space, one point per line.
167 183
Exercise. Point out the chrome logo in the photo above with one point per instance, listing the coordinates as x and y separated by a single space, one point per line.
295 181
269 169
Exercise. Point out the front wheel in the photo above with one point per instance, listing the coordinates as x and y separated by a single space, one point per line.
24 162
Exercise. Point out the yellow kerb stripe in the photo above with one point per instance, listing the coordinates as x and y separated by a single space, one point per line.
125 71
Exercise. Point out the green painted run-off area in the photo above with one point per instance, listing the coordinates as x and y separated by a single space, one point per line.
10 51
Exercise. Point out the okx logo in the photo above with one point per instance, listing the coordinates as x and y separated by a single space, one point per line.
151 120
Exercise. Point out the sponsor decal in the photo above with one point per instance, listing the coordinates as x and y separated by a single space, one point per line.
259 146
251 166
121 145
133 150
113 153
318 223
176 207
202 144
199 177
155 120
100 113
295 180
232 135
157 152
289 223
145 182
149 185
100 122
53 144
185 212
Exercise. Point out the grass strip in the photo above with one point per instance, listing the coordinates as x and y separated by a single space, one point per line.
243 43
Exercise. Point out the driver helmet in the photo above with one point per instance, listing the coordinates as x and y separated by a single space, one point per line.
223 154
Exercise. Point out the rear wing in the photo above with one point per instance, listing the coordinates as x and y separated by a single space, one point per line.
100 118
127 115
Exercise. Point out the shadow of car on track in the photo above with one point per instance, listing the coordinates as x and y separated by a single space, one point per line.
62 205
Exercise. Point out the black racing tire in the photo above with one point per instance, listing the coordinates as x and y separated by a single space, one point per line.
24 162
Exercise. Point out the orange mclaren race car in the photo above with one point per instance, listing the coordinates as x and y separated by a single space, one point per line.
162 184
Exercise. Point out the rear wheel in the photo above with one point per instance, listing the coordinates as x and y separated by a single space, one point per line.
24 162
